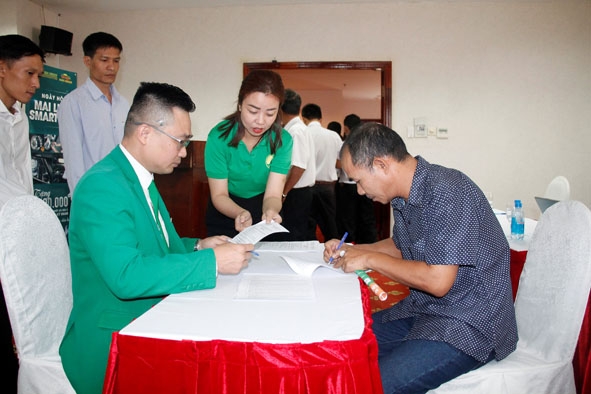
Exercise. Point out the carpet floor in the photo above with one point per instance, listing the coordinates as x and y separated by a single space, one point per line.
395 290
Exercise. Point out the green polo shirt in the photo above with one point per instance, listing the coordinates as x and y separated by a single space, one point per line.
246 172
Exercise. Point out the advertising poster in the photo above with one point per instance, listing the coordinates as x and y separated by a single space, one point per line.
46 151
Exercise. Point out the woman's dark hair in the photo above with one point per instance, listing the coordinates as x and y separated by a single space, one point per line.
263 81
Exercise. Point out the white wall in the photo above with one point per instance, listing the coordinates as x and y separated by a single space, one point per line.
510 80
7 17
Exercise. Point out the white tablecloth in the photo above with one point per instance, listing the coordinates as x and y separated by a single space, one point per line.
267 302
518 245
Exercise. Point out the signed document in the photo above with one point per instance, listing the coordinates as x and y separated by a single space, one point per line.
306 263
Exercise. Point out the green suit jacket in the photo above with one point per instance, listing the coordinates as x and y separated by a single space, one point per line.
121 266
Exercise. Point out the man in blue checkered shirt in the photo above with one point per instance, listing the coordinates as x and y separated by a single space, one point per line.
447 247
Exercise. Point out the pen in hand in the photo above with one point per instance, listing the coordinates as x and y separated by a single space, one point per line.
339 246
253 252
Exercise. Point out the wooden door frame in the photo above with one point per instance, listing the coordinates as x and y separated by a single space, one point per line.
382 211
385 69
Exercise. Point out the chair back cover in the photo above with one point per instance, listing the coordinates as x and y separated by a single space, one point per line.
36 280
554 285
558 189
549 306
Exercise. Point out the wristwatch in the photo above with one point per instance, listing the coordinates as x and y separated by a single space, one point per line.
197 247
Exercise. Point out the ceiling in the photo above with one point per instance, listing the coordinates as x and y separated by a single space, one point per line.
115 5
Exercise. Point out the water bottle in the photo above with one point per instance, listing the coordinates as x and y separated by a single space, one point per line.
517 221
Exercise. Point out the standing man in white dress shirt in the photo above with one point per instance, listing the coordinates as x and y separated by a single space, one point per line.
297 192
327 145
21 65
91 118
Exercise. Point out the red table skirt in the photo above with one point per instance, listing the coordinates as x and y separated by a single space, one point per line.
147 365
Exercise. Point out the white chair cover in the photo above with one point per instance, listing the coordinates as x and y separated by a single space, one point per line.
550 306
36 280
558 189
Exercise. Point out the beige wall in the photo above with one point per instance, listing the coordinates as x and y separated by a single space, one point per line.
511 81
8 17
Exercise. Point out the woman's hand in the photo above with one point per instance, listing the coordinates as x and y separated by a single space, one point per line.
270 215
242 221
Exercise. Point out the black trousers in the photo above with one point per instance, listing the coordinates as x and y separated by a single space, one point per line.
356 214
323 212
295 214
219 224
8 357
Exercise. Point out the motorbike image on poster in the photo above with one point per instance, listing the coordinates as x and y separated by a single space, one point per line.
47 160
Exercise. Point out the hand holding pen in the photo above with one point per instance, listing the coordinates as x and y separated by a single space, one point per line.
377 290
341 242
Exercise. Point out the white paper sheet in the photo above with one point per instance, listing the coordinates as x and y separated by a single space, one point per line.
254 233
334 313
295 246
306 263
275 287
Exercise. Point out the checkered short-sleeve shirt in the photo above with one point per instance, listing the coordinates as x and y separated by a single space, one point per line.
448 220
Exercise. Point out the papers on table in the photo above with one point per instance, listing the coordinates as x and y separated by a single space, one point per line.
254 233
278 307
295 246
303 257
275 287
306 263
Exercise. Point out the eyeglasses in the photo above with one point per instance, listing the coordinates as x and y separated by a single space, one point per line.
182 143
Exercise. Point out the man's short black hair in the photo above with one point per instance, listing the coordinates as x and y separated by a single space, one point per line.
334 126
154 102
352 121
312 111
100 40
292 103
14 47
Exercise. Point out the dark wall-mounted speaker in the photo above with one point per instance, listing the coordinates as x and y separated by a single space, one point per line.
55 40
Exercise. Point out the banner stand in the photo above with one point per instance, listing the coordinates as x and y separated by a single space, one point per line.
47 159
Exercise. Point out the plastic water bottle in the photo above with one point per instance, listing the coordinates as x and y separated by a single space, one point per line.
517 221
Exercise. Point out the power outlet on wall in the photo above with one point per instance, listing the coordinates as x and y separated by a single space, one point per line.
442 133
420 128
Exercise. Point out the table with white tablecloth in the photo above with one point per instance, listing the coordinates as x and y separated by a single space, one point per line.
266 330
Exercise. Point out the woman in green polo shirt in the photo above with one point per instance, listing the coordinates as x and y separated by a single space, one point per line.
247 158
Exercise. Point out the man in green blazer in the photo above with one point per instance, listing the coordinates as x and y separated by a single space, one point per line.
125 255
